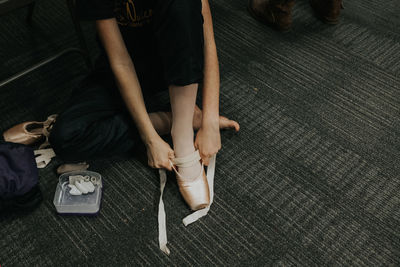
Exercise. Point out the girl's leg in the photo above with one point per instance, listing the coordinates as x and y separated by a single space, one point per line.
183 101
178 30
162 122
96 124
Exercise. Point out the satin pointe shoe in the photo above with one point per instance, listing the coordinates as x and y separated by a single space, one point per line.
29 133
195 191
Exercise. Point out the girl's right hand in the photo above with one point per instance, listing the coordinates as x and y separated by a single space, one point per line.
159 153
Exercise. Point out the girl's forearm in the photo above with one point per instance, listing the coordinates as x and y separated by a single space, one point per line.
211 69
125 76
131 92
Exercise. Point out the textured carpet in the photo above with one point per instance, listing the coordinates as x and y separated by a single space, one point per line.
312 178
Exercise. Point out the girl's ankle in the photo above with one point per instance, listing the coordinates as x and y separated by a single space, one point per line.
183 150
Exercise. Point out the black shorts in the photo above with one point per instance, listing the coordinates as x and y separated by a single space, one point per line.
169 49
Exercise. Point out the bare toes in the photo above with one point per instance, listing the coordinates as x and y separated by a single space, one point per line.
226 123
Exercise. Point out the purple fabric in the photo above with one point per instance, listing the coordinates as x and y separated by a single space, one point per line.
18 171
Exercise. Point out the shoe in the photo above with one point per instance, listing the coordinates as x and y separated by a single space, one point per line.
29 133
276 13
195 191
327 10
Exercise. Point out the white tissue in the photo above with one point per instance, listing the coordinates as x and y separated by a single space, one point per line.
74 191
81 187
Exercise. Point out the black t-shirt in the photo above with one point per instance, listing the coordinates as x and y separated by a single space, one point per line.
132 13
134 18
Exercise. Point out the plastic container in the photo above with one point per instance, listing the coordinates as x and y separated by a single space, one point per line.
88 204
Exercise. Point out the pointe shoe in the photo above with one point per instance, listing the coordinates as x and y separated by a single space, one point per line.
29 133
195 190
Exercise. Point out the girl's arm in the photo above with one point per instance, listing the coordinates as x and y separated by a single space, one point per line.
158 151
208 138
125 76
211 70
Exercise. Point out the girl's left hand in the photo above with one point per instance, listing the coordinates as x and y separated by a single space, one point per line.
208 140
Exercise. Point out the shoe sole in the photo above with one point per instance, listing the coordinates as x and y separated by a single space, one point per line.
264 21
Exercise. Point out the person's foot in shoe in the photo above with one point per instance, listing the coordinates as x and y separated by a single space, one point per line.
182 148
276 13
327 10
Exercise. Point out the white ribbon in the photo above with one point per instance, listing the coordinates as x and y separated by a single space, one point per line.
44 157
162 230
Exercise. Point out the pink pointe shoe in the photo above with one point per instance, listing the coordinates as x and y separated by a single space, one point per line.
198 193
195 191
29 133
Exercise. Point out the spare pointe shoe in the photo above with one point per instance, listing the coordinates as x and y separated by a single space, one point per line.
195 190
29 133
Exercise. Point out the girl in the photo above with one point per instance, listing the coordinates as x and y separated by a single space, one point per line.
148 47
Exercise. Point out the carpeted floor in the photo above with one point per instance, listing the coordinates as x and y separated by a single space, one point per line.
312 178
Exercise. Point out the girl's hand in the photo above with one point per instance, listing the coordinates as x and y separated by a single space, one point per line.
208 140
159 153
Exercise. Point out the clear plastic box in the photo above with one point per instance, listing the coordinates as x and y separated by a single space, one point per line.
87 204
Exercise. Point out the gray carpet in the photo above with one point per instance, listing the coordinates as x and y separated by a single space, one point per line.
312 178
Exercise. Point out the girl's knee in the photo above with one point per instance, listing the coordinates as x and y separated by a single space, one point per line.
64 138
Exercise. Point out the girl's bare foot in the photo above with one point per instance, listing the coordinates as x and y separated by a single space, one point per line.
162 121
224 122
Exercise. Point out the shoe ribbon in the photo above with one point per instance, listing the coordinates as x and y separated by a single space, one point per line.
45 153
47 127
162 229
